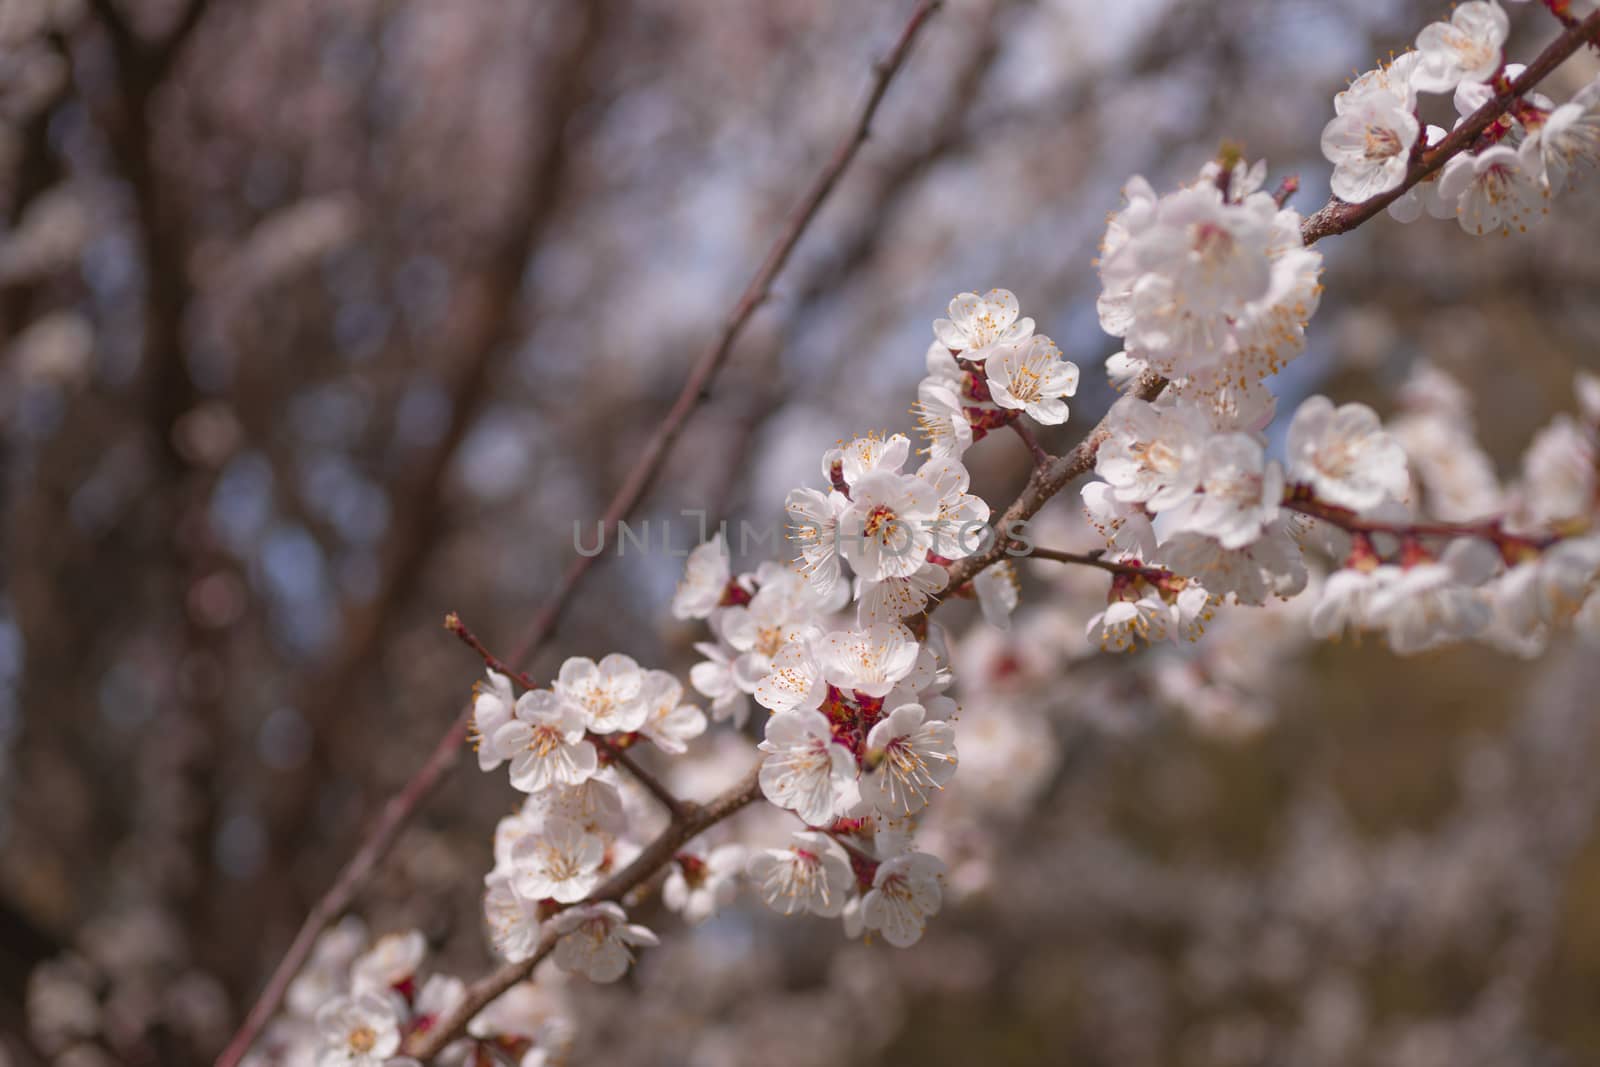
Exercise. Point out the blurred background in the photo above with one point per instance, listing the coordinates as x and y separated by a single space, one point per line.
321 318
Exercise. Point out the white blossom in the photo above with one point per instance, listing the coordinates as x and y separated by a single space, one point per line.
700 882
1423 197
997 589
1493 191
1467 48
759 630
1435 603
594 940
713 679
705 581
943 419
1124 525
669 723
328 969
804 770
909 756
892 599
1345 599
869 661
391 962
513 919
358 1031
1152 455
811 875
866 455
1369 144
491 709
1241 492
561 861
1122 624
977 323
545 742
1568 576
796 680
1345 456
814 528
1393 79
889 526
596 804
1208 289
1273 565
608 691
905 894
1030 376
961 525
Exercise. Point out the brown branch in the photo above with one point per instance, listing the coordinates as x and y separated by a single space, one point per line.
1127 568
123 40
1298 499
1043 483
696 819
1337 216
1041 458
654 786
397 812
453 623
166 51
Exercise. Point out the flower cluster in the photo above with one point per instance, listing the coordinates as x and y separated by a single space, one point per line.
574 827
986 367
354 1004
1531 153
1209 286
1510 580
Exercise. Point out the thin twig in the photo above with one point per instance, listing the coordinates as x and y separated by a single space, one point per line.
453 623
1490 530
1127 568
677 808
1041 458
398 811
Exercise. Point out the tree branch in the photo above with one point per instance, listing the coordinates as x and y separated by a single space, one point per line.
398 811
166 51
1041 458
1096 559
1297 499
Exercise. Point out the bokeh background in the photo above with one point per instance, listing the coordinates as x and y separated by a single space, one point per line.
321 318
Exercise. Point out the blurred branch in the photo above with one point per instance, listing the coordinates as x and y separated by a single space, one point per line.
149 60
166 51
856 250
419 513
397 812
123 40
